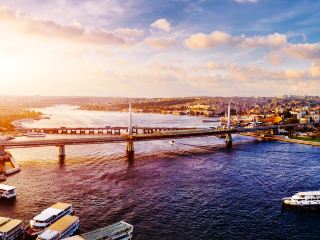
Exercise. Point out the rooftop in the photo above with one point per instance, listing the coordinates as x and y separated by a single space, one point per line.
309 193
61 205
108 231
63 223
6 187
7 224
47 213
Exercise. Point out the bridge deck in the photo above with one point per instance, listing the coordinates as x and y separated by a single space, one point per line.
139 137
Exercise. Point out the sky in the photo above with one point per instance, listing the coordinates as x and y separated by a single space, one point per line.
152 48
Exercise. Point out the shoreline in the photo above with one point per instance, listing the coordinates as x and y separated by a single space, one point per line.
289 140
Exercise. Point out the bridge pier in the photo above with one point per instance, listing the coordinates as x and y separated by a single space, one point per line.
228 140
130 149
62 151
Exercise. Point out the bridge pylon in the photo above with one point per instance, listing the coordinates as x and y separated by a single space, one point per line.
228 135
130 146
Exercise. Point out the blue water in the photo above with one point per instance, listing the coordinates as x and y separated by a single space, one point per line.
195 189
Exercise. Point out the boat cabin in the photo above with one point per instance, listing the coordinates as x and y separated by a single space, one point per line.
10 229
7 191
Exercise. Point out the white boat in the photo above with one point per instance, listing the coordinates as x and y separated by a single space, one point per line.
10 229
303 199
34 134
119 231
63 228
7 192
48 217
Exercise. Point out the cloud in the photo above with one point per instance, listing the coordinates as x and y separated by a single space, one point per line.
130 32
275 40
315 71
275 57
201 40
160 43
218 38
246 1
256 74
309 51
72 32
162 24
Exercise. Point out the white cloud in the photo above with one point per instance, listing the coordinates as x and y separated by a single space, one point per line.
246 1
73 32
162 24
130 32
160 43
309 51
218 38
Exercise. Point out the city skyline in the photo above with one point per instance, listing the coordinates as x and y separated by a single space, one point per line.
159 49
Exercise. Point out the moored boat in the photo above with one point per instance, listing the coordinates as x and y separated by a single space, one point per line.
63 228
34 134
7 192
120 231
10 229
48 217
303 199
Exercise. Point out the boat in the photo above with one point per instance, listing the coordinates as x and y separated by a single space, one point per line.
3 176
120 231
303 199
171 142
48 217
61 229
34 134
208 121
7 192
10 229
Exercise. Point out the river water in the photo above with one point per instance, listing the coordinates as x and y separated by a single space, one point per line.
194 189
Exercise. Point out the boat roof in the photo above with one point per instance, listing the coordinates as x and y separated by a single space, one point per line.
51 211
7 224
309 193
61 205
48 234
47 213
6 187
63 223
77 237
108 231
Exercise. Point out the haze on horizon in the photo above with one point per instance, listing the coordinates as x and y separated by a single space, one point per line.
141 48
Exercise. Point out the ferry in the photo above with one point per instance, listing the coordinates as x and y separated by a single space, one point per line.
63 228
7 192
34 134
48 217
119 231
303 199
10 229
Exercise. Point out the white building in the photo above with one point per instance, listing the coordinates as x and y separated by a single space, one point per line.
315 118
